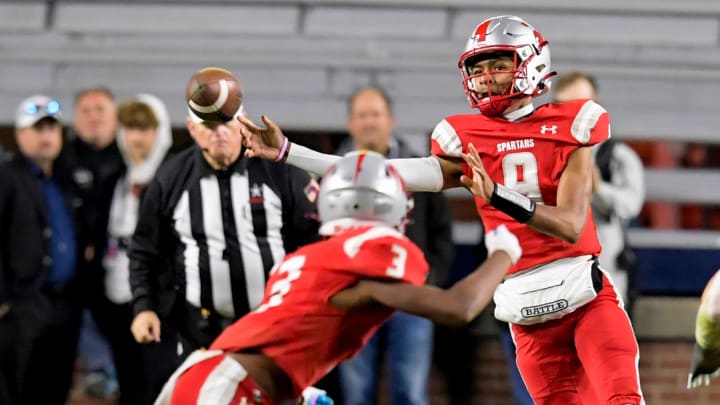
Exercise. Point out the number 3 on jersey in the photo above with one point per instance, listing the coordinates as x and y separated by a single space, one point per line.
397 267
281 287
520 172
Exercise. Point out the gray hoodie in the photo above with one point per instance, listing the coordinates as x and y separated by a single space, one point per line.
126 204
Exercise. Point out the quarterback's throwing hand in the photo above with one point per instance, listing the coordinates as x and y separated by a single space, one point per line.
480 183
261 142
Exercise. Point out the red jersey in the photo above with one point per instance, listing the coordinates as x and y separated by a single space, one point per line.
528 156
297 326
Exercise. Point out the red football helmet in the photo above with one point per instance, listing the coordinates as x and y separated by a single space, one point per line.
531 54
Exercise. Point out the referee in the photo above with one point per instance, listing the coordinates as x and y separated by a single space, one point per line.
211 225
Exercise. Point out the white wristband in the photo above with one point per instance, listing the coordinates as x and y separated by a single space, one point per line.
309 160
502 239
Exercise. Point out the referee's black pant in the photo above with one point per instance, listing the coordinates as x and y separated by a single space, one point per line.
113 321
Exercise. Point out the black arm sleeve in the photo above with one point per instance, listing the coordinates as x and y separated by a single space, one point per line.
146 253
300 224
441 249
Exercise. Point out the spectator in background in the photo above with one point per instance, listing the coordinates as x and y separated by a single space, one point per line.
39 241
96 165
618 191
407 340
212 223
144 138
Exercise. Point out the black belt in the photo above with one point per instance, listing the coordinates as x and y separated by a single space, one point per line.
204 325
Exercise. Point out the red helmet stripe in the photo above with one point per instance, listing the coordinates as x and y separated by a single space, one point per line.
481 31
358 166
395 173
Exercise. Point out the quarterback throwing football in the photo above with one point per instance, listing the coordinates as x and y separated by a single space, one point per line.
530 170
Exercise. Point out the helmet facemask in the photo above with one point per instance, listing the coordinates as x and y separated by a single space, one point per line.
491 102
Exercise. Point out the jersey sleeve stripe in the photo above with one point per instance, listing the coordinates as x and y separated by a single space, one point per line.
585 121
448 140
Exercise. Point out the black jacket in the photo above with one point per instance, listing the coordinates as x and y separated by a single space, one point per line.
156 255
24 231
430 225
95 174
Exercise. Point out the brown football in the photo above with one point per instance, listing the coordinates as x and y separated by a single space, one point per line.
214 94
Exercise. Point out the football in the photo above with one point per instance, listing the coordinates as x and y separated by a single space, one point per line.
213 94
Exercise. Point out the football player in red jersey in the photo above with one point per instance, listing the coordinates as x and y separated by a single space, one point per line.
324 301
530 169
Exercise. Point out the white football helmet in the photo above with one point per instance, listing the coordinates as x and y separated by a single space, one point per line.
531 53
362 189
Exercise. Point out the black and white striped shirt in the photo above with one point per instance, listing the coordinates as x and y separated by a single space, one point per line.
213 235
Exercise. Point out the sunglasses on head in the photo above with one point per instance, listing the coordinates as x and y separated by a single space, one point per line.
51 108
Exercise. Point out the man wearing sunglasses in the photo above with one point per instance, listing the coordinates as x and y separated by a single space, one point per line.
211 225
39 240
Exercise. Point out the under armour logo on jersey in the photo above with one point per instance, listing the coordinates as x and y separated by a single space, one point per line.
545 129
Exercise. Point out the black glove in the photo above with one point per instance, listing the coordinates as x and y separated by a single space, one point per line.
705 365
